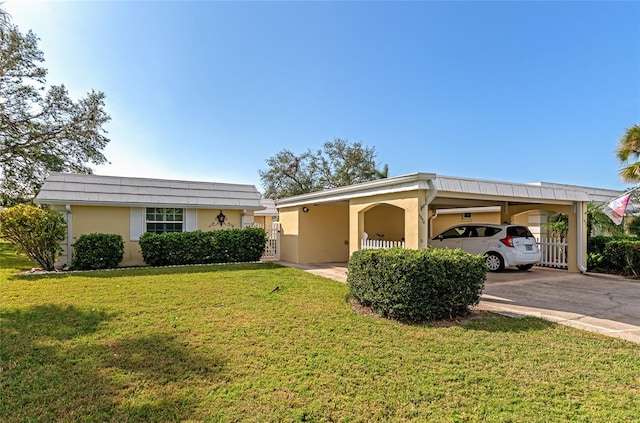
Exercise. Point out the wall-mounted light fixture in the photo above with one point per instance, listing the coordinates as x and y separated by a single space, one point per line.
305 209
221 218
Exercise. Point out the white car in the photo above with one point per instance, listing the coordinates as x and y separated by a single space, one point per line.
502 245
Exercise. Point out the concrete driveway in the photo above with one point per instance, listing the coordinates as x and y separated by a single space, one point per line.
600 303
606 304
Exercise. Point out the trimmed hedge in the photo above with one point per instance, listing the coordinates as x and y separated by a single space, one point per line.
224 246
416 285
97 251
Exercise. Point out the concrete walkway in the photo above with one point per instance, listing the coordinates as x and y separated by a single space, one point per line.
606 304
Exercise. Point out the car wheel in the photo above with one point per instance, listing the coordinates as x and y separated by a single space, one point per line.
524 267
494 261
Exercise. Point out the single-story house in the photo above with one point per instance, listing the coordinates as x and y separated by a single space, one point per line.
328 226
133 206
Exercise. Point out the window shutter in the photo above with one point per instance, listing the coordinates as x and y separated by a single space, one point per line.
136 228
191 220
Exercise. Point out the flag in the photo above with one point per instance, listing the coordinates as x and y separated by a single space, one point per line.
616 207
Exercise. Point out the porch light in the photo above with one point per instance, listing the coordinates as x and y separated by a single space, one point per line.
305 209
221 218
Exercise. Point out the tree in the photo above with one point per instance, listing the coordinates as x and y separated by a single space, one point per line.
34 231
41 130
629 149
339 163
598 221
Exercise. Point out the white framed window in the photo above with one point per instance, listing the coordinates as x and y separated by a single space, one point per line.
164 219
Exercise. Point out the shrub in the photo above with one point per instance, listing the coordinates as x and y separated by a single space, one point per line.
224 246
97 251
597 244
35 231
622 257
634 226
416 285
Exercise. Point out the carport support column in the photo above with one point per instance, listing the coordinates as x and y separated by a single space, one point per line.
356 228
577 227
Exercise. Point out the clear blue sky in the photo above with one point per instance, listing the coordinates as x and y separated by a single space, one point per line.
513 91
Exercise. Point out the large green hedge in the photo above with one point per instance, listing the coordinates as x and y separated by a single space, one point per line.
416 285
97 251
224 246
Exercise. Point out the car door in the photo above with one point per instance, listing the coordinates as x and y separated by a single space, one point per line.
451 238
474 240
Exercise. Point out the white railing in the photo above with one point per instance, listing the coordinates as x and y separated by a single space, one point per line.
272 248
379 243
554 252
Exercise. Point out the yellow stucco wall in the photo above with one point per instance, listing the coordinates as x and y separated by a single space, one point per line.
108 220
207 219
289 230
263 221
324 234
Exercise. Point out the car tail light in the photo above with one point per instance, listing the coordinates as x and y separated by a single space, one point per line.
508 241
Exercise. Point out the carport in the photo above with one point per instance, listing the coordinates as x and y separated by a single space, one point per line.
328 226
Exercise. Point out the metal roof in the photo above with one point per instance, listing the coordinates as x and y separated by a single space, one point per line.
510 190
270 208
447 186
81 189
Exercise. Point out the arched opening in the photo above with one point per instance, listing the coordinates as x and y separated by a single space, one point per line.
384 222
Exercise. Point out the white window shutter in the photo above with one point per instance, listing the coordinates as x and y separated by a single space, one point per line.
191 220
136 228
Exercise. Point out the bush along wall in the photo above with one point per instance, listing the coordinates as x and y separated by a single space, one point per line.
619 255
416 285
97 251
224 246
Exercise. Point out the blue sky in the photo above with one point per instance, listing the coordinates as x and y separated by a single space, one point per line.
512 91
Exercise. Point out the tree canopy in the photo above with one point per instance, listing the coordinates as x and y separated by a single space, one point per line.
628 150
339 163
41 130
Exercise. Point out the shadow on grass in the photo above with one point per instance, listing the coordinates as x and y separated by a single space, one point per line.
53 367
149 271
497 323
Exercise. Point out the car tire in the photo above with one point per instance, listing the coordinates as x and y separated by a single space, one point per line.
524 267
495 262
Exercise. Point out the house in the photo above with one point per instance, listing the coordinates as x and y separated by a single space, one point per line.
328 226
133 206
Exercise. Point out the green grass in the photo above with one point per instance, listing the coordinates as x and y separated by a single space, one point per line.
215 344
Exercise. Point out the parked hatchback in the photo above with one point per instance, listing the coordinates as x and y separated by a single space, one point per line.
502 245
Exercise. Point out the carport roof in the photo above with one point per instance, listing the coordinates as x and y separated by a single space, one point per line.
447 186
74 189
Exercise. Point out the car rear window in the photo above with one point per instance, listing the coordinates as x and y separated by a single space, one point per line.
519 231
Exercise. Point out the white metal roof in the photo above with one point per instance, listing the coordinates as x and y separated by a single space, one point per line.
270 208
66 188
511 190
410 182
446 186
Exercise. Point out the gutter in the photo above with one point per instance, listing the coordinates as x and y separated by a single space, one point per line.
431 194
67 207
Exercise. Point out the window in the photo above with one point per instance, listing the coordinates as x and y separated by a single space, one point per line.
160 220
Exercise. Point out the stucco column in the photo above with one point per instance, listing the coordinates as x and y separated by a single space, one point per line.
577 226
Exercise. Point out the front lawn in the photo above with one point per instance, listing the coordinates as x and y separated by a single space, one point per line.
220 343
